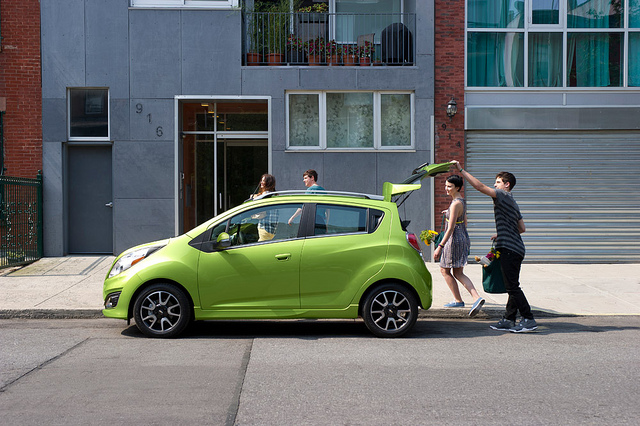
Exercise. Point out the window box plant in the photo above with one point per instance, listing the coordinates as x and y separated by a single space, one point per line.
333 53
365 54
316 51
296 51
350 55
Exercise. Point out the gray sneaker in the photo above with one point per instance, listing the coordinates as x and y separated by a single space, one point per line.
504 325
524 325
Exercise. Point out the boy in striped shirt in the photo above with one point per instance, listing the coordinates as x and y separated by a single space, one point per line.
509 226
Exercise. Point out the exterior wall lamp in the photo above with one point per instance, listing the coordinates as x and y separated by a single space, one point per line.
452 108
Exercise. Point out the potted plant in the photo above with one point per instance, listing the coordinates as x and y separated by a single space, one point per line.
316 49
255 39
276 31
350 55
296 51
333 53
315 13
365 54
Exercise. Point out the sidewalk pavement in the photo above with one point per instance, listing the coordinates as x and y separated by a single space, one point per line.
71 287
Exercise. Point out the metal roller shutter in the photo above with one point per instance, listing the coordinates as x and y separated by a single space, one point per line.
579 193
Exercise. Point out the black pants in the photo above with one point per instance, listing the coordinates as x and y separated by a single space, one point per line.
511 263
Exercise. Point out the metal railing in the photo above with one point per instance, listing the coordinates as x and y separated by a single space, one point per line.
302 38
20 220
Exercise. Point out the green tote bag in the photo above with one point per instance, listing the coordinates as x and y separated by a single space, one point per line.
492 278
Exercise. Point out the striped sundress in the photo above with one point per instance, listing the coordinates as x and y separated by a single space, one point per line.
456 250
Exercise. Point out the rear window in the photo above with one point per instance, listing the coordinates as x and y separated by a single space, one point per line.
332 219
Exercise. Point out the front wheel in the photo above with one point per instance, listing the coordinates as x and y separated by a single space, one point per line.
390 310
162 310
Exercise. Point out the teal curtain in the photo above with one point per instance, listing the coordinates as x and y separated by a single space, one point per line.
495 59
545 59
594 14
634 13
634 43
495 13
634 59
594 59
590 62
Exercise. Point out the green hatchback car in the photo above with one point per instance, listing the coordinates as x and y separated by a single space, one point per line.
343 255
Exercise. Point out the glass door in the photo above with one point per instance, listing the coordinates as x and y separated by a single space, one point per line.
224 153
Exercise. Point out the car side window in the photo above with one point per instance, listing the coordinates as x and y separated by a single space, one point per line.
332 219
262 224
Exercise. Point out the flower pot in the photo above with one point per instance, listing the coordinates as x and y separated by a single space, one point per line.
333 60
254 59
275 59
315 60
365 62
349 60
296 57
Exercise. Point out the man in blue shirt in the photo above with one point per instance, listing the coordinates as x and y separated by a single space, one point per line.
310 178
509 226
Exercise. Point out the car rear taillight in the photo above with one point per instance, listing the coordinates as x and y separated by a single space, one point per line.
413 242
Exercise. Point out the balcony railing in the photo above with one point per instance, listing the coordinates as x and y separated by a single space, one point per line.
309 39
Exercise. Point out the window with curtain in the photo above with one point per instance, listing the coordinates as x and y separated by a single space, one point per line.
569 43
350 120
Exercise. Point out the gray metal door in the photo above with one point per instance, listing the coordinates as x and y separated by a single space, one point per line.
90 217
579 192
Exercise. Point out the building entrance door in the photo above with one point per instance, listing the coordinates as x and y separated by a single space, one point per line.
90 204
224 153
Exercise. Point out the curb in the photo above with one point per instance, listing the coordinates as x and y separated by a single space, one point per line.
51 314
486 313
460 313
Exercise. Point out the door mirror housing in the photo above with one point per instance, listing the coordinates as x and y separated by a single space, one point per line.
223 241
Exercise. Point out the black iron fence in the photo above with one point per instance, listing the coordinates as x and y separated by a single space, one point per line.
346 39
20 220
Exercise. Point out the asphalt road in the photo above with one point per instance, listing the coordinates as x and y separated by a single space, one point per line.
573 370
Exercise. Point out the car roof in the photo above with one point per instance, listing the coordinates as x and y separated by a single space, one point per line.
320 193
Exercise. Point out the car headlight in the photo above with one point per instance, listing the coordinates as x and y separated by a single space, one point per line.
131 258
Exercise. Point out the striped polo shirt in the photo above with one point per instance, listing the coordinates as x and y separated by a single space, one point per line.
507 214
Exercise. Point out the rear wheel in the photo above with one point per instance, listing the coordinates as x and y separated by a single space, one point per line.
162 310
390 310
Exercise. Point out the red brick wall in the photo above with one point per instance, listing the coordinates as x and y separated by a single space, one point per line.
20 85
449 81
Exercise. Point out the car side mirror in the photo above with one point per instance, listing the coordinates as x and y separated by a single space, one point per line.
223 241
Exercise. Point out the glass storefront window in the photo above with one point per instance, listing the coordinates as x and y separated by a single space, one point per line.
594 14
495 59
545 12
495 14
634 59
570 43
545 60
594 59
634 13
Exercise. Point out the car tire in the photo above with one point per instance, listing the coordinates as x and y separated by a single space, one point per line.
162 310
390 310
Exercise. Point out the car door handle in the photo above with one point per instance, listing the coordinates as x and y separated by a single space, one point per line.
284 256
110 204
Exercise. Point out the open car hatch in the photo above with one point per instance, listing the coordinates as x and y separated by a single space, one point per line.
401 191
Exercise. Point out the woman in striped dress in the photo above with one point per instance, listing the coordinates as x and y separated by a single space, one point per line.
453 250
